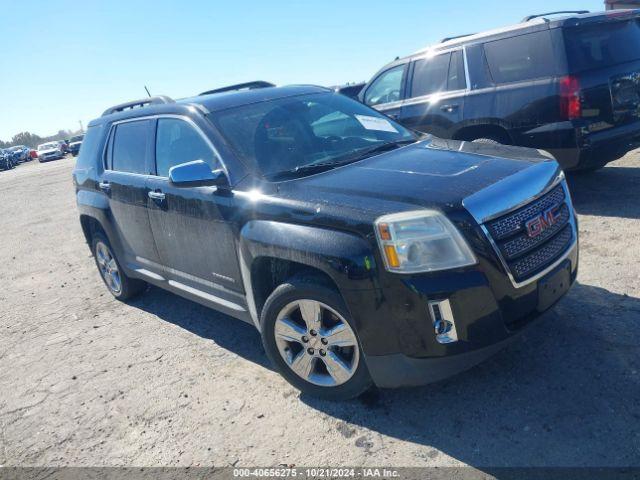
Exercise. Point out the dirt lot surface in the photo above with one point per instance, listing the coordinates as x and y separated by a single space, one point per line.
86 380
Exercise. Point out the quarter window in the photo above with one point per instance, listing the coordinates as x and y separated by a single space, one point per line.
386 88
129 148
178 142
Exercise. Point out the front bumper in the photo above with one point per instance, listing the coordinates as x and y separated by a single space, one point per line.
485 324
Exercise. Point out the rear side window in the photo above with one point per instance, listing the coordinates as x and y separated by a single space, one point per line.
524 57
602 45
129 147
178 142
87 155
386 88
430 75
438 74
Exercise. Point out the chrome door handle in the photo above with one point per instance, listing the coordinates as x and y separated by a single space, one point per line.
156 195
104 186
449 108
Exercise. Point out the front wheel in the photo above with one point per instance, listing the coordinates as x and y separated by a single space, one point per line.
310 338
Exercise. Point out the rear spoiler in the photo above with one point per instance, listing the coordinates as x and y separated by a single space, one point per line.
240 86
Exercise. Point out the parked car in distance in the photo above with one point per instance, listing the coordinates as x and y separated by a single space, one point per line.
6 159
350 90
363 252
568 85
50 151
64 146
74 144
20 153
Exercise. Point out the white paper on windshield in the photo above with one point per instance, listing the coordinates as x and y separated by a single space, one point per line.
376 123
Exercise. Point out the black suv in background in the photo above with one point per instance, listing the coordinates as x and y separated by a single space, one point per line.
361 252
75 143
568 85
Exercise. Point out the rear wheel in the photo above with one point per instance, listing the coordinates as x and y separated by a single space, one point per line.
119 284
309 336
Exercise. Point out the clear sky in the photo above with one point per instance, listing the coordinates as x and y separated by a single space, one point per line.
67 60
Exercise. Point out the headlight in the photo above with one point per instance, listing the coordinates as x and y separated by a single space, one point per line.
421 241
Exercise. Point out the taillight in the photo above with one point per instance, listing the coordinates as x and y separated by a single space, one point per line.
570 106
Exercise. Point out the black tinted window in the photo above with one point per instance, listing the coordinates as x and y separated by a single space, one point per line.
130 147
520 58
386 88
602 45
456 80
88 149
178 142
430 75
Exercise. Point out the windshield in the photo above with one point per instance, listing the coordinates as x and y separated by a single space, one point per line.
48 146
603 44
291 134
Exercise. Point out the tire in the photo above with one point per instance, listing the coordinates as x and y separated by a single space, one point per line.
109 268
488 140
296 339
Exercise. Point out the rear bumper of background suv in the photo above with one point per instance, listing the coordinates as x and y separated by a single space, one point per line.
576 147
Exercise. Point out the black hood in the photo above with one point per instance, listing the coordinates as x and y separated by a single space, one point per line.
433 173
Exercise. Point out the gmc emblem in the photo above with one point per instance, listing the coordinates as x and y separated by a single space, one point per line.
540 223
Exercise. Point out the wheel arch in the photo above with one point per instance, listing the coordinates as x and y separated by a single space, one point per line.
271 252
483 130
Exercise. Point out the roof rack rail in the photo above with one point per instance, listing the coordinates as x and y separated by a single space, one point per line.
446 39
159 99
240 86
531 17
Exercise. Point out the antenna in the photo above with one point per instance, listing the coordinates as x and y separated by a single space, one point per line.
148 93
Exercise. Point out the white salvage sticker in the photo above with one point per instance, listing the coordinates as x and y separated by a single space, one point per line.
376 123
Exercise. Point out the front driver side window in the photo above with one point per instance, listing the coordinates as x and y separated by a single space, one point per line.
178 142
386 88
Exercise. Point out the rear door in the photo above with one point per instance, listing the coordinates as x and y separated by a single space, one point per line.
386 92
128 158
605 57
195 240
435 94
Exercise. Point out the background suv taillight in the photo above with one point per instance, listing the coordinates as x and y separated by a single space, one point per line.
570 106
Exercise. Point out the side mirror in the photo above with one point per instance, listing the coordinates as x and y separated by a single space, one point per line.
197 174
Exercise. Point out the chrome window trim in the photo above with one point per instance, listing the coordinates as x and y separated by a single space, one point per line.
155 117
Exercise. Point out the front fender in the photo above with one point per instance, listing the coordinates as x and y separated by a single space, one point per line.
345 257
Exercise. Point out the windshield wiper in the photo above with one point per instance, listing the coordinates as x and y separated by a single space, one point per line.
343 160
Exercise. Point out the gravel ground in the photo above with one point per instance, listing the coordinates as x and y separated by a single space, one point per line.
88 381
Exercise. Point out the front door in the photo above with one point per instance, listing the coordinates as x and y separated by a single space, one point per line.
124 183
195 241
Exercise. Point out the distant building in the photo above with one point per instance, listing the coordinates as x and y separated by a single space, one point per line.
617 4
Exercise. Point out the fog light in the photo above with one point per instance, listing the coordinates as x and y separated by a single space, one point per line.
444 325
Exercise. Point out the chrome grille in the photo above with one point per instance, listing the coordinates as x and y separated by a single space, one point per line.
524 255
514 222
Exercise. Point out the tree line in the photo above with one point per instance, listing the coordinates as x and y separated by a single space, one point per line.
32 140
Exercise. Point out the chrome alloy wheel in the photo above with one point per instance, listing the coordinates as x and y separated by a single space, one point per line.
317 343
108 268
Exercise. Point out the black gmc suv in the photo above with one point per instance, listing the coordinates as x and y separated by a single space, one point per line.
361 252
569 85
